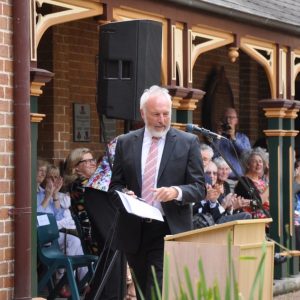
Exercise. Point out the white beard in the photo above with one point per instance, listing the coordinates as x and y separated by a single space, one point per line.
158 134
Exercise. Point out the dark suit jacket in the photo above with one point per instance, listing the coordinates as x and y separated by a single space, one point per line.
180 165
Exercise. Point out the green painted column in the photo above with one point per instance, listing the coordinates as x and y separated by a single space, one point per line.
184 116
39 78
185 110
35 119
34 127
274 139
288 157
280 135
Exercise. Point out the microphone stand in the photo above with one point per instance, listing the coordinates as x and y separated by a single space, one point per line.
240 178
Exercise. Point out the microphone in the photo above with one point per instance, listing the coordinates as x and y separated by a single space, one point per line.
206 132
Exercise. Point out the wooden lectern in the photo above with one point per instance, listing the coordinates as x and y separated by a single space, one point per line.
210 244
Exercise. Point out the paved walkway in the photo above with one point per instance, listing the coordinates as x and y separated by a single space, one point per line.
287 289
290 296
284 289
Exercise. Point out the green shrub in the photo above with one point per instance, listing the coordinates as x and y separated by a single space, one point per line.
209 293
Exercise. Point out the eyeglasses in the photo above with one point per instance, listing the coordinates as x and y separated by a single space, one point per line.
87 161
210 173
53 177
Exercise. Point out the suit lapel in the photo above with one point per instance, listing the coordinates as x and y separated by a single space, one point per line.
168 148
137 153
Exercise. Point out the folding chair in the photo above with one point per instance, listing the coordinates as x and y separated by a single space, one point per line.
53 258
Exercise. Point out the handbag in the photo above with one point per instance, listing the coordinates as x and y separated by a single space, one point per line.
201 220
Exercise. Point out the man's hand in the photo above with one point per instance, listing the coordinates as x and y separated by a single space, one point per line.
227 201
49 188
219 188
165 194
212 193
58 183
240 203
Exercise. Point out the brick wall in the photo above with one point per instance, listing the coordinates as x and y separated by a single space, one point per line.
72 56
254 87
70 51
248 83
6 151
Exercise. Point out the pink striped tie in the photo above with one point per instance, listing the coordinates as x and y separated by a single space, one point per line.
150 172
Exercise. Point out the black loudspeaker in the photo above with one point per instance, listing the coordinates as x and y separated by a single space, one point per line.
129 62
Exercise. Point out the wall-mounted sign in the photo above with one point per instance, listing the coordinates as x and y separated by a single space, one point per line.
82 122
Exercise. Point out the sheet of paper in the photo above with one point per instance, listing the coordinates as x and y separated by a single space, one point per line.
140 208
43 220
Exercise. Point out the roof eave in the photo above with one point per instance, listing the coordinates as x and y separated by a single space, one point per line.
241 16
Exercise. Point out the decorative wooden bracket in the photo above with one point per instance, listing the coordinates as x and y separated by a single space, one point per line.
265 54
62 11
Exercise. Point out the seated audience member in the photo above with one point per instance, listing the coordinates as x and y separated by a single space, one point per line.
80 165
66 224
217 204
222 175
237 142
207 154
256 190
48 201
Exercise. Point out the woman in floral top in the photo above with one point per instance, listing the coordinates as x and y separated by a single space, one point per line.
257 188
100 180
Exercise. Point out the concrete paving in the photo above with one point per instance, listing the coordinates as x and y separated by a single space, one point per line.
287 288
284 289
290 296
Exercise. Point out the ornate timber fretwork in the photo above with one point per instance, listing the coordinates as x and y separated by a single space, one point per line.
265 54
124 13
61 11
177 53
283 72
189 58
202 40
295 68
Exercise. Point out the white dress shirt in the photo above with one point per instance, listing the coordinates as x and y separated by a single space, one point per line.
147 141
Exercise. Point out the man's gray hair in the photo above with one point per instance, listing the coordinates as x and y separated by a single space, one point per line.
154 90
220 162
205 147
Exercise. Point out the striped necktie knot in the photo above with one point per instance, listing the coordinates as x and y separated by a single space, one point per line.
155 139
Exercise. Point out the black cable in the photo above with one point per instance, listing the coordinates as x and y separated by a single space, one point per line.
109 240
104 137
101 120
107 264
